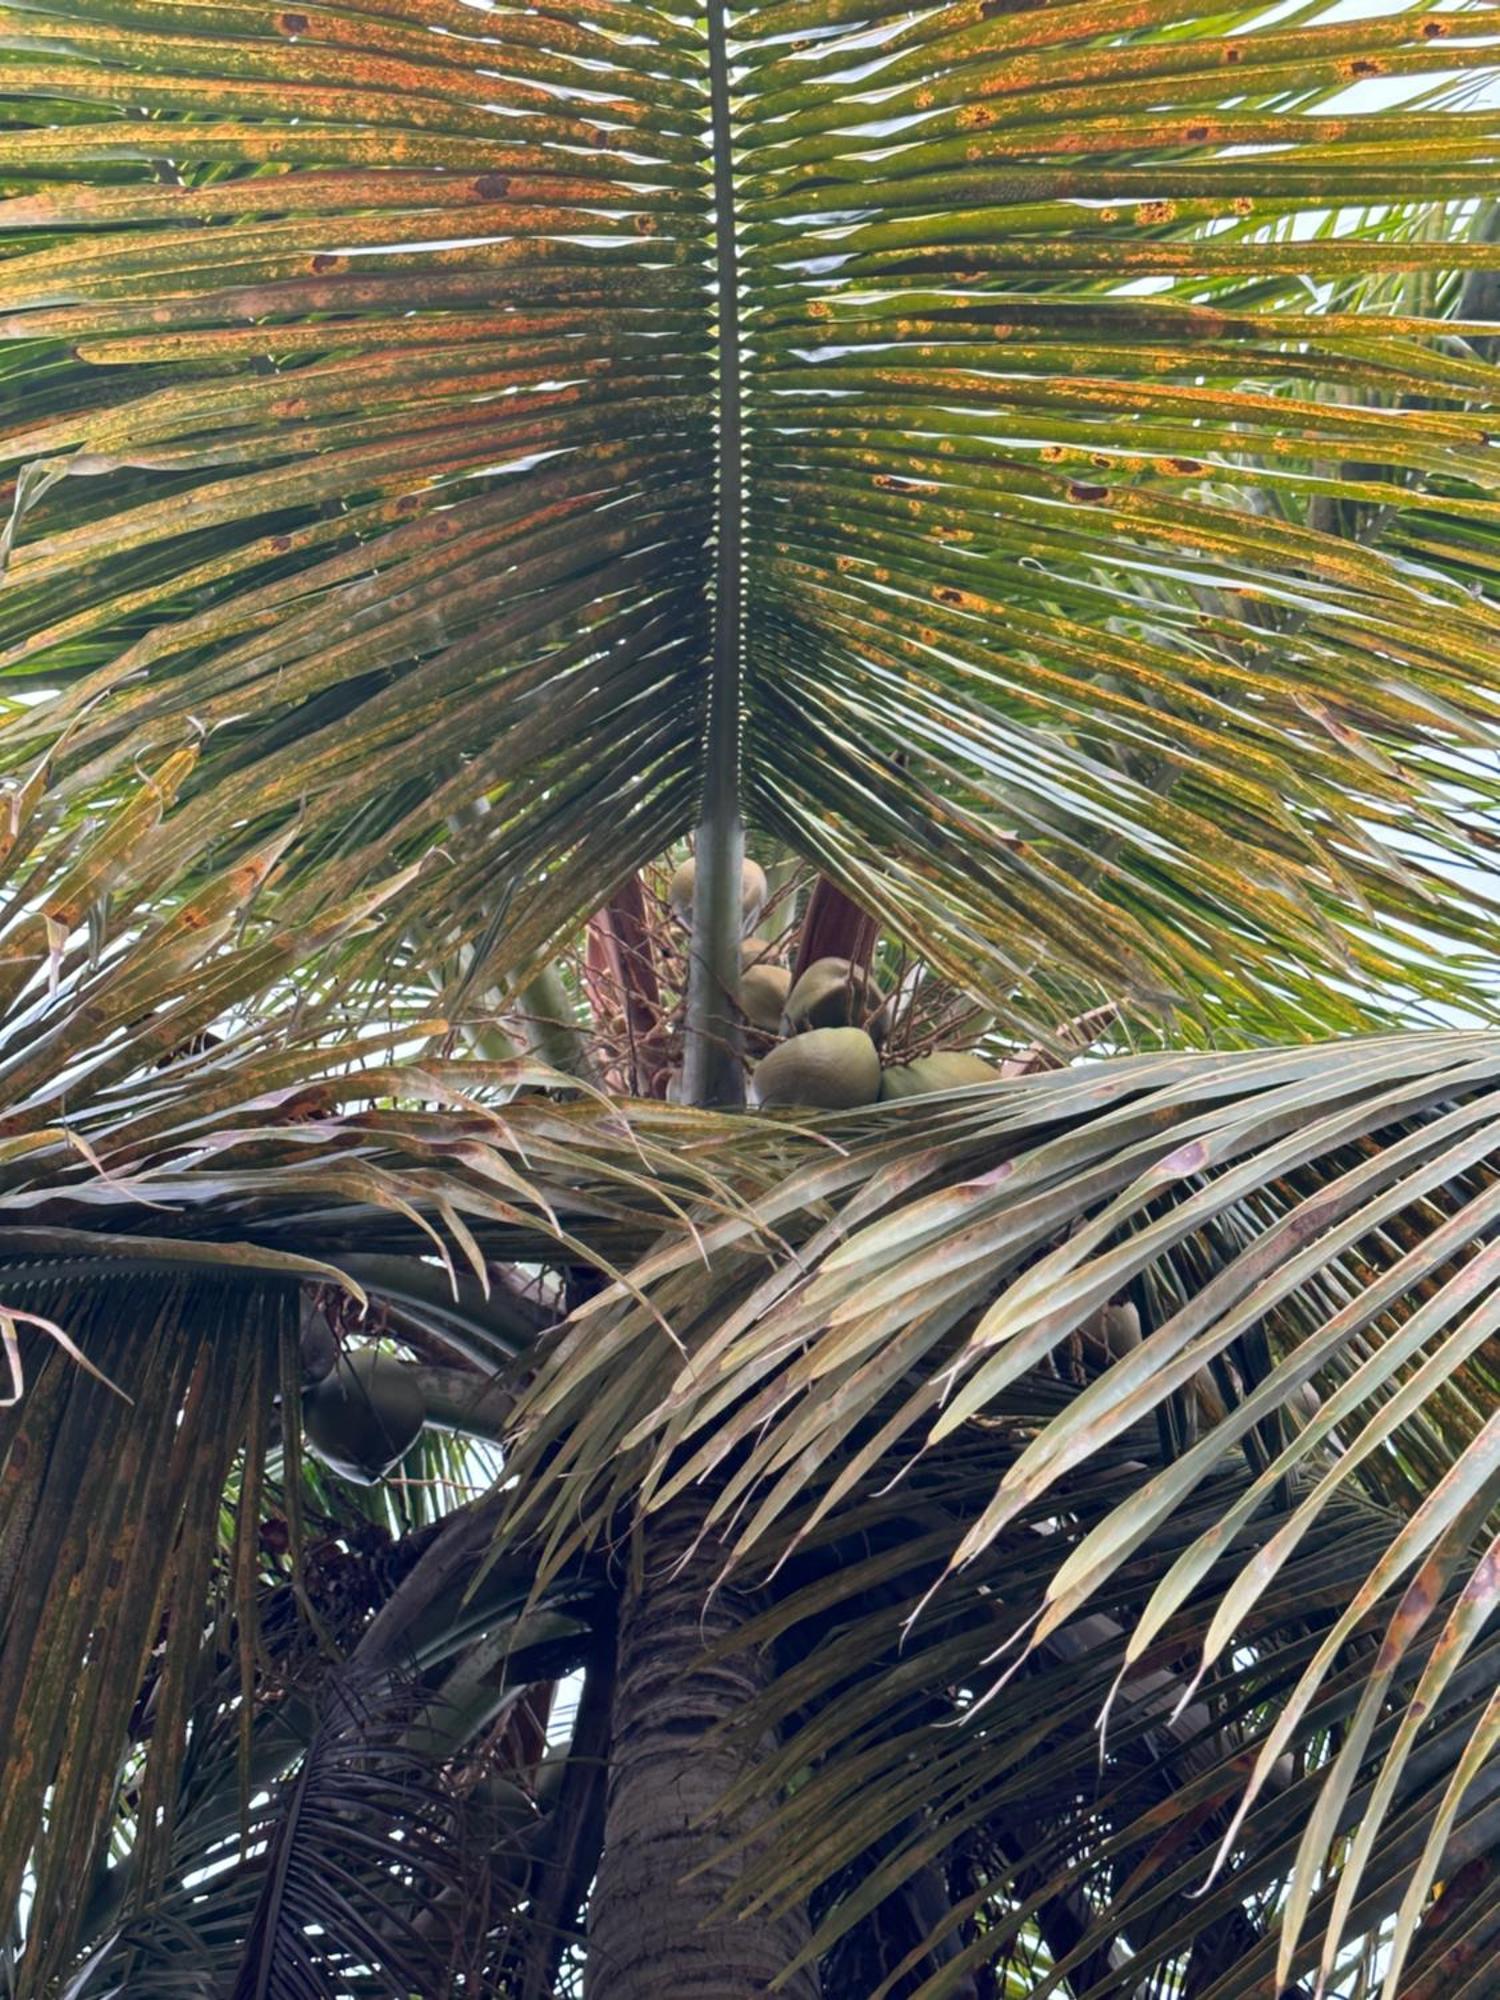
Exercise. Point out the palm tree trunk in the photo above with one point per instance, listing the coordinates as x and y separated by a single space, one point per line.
657 1926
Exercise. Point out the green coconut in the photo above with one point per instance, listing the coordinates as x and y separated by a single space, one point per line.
950 1069
364 1417
752 893
827 1069
763 991
835 993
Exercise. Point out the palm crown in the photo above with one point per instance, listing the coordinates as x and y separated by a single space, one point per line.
1030 466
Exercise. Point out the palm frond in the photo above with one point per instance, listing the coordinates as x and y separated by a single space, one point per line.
1188 1519
368 452
111 1553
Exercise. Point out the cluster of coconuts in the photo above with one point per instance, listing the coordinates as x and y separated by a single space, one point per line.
831 1023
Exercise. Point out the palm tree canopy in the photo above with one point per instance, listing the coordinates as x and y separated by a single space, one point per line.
1038 460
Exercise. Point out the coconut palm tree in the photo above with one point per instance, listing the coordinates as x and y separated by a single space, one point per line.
481 1510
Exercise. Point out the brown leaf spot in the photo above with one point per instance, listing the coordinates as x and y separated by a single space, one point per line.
1195 134
1186 464
1365 66
325 261
1242 204
1100 458
946 593
1052 453
293 24
1434 31
1233 53
1078 491
281 543
1151 212
492 187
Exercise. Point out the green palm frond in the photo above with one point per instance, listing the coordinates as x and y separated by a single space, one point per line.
366 443
111 1553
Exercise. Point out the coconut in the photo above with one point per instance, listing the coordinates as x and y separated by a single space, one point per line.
835 993
1122 1329
829 1069
752 893
364 1417
763 991
950 1069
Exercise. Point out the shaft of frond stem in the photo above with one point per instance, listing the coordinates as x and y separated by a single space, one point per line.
712 1071
550 1023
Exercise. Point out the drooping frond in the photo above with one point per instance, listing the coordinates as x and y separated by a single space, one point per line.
1171 1506
112 1568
